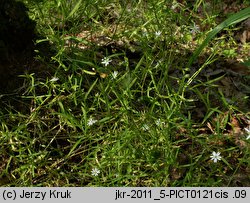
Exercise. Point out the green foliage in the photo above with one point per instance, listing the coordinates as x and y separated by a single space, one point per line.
124 103
235 18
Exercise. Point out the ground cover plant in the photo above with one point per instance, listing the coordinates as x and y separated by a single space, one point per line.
130 93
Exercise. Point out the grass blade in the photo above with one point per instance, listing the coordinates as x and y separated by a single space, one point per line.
236 18
76 7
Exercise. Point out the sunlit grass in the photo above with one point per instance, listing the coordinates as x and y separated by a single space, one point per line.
128 112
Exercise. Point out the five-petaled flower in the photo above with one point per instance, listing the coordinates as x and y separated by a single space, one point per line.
106 61
145 127
215 156
195 29
157 33
95 172
91 121
159 122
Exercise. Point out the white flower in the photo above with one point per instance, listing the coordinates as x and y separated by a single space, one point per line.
54 79
95 172
248 132
158 122
145 127
215 156
91 121
195 29
106 61
114 74
158 33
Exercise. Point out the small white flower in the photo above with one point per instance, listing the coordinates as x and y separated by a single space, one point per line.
248 132
195 29
114 74
158 33
54 79
95 172
145 127
91 121
106 61
215 156
158 122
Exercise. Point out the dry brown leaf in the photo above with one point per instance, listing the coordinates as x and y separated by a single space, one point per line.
235 125
210 127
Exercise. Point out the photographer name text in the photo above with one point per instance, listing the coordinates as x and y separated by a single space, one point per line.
42 195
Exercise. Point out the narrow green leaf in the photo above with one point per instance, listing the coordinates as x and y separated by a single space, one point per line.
77 6
235 18
89 90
